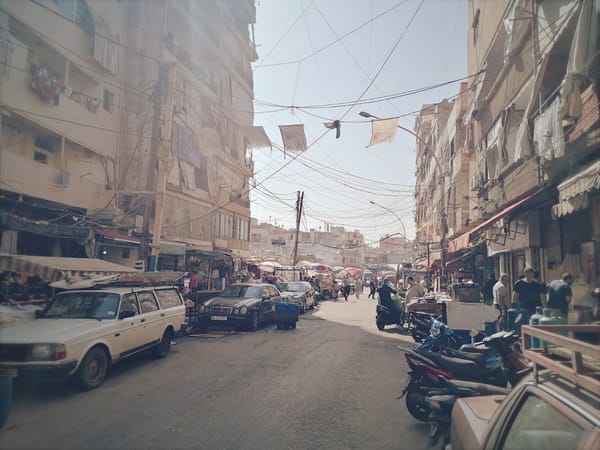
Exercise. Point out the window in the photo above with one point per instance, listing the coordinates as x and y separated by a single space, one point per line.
147 302
201 176
125 254
108 100
539 425
40 156
168 298
128 303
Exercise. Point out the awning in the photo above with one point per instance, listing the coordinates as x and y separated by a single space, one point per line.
116 236
463 240
52 268
573 193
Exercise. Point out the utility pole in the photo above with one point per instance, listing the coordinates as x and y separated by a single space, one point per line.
150 254
299 204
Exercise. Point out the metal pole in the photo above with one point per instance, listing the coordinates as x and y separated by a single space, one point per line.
443 217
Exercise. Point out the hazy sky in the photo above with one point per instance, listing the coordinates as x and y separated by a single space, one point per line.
340 176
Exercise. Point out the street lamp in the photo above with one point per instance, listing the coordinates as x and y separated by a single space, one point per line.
439 168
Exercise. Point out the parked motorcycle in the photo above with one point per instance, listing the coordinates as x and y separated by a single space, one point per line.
495 361
419 325
441 401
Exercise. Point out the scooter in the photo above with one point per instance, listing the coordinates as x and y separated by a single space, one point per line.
441 401
388 316
495 361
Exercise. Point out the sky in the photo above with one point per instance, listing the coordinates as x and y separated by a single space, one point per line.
314 64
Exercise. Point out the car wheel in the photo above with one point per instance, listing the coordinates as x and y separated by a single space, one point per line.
93 368
293 325
313 304
163 347
380 325
254 321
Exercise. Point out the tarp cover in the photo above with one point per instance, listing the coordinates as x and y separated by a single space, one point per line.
53 268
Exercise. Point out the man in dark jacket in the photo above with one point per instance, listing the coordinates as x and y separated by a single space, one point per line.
385 295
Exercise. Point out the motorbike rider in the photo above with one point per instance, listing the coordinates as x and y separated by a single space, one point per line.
385 295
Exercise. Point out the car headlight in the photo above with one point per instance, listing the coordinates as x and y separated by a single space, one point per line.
201 309
236 311
48 352
243 310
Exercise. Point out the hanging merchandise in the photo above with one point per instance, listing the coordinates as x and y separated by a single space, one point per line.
45 83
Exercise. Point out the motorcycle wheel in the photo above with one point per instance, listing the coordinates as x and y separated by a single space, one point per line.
380 325
417 405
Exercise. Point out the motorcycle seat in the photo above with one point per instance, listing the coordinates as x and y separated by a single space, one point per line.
462 368
478 349
478 358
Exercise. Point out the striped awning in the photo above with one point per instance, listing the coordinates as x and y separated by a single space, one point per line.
573 193
53 268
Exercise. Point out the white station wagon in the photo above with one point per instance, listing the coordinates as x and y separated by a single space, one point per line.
83 332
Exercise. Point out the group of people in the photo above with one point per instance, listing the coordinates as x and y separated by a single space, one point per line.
346 288
530 292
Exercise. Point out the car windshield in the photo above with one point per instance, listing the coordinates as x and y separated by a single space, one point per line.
294 287
84 305
241 291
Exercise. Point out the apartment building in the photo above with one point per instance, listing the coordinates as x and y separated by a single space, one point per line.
61 109
531 138
123 124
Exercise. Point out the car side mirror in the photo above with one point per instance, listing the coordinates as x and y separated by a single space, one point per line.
126 314
265 297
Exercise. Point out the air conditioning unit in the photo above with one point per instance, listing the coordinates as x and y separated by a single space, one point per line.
64 177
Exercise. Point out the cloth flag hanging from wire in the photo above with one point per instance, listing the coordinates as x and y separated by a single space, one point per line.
294 139
257 138
383 130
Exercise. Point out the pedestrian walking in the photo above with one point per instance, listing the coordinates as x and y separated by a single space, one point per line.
560 294
488 289
358 288
346 288
372 287
501 298
529 292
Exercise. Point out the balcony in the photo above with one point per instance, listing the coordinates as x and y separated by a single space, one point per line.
50 183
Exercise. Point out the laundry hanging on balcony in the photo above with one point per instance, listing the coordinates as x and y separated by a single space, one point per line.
45 83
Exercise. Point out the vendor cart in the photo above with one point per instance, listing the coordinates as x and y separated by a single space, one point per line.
286 315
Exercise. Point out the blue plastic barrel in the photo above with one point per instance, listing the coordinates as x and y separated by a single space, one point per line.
533 321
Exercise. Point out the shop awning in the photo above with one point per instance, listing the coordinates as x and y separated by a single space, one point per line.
117 236
573 193
52 268
463 240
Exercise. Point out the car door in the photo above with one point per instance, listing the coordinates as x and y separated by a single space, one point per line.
538 420
151 317
269 305
130 334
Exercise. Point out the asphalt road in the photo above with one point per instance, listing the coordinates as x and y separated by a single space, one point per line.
330 383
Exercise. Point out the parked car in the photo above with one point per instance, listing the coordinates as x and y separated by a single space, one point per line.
555 408
299 292
82 332
242 305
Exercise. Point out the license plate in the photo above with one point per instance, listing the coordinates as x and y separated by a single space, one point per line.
218 318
